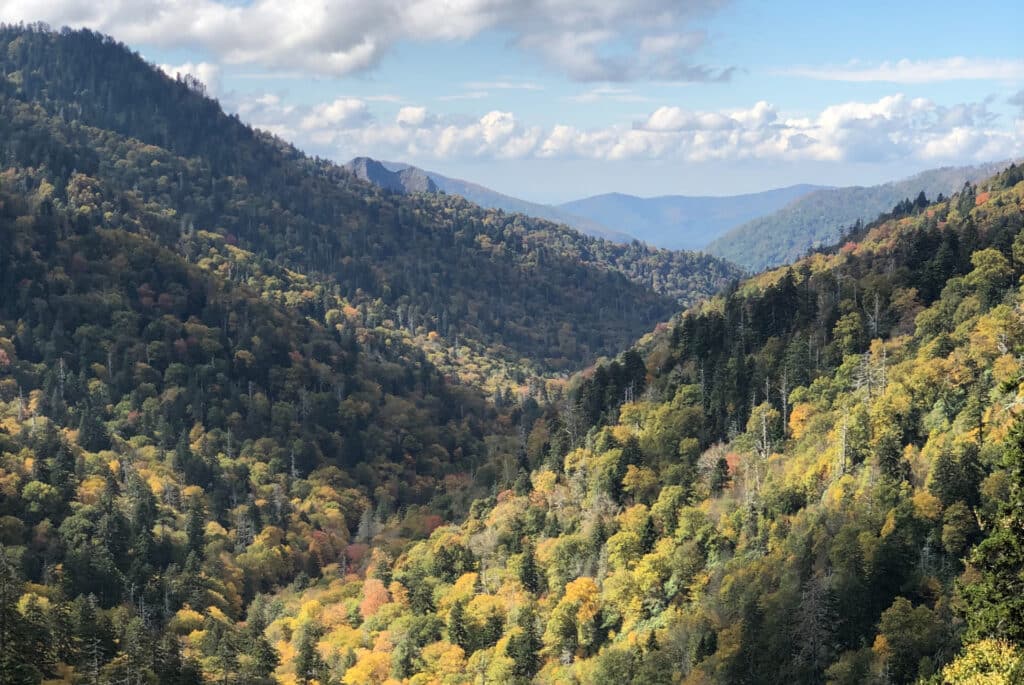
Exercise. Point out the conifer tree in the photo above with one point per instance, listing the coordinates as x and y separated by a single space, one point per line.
996 600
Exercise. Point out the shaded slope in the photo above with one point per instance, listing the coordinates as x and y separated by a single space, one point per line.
80 102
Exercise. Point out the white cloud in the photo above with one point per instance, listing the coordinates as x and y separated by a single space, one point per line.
679 119
411 116
208 74
341 113
594 40
892 127
918 71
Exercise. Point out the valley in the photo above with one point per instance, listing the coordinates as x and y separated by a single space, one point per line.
265 418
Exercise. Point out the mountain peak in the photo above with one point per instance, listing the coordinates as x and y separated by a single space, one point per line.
405 181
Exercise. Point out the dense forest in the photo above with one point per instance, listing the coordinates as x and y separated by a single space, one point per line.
160 157
237 447
814 477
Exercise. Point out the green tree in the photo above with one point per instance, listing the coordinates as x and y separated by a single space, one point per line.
529 575
308 663
995 601
18 663
720 477
911 634
524 644
458 629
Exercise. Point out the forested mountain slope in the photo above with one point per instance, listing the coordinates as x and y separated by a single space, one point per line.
813 478
76 102
220 461
148 406
820 218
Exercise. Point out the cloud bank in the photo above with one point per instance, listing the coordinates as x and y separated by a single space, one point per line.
588 40
891 128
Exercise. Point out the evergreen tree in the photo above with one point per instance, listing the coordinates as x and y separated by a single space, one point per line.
649 535
458 630
995 601
525 644
720 477
19 665
308 664
92 434
529 575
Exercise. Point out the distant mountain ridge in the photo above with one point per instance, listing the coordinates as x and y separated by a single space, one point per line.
753 230
407 180
488 198
681 222
821 217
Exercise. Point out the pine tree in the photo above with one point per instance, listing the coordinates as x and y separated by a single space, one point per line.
524 645
995 602
195 526
17 661
492 630
529 575
308 664
92 434
945 480
458 632
649 535
720 477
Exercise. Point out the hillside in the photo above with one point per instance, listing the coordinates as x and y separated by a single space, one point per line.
240 444
510 286
679 222
820 218
492 199
813 478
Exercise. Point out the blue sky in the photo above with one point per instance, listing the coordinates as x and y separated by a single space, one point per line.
556 99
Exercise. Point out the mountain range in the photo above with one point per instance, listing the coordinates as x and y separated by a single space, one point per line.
492 199
674 222
755 230
679 222
264 421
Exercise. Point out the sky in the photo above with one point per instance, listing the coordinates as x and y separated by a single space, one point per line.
553 100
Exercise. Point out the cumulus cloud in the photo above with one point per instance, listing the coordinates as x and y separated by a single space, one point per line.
208 74
918 71
341 113
411 116
892 127
590 40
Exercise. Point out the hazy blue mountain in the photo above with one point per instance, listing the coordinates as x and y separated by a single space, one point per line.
492 199
681 222
821 217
